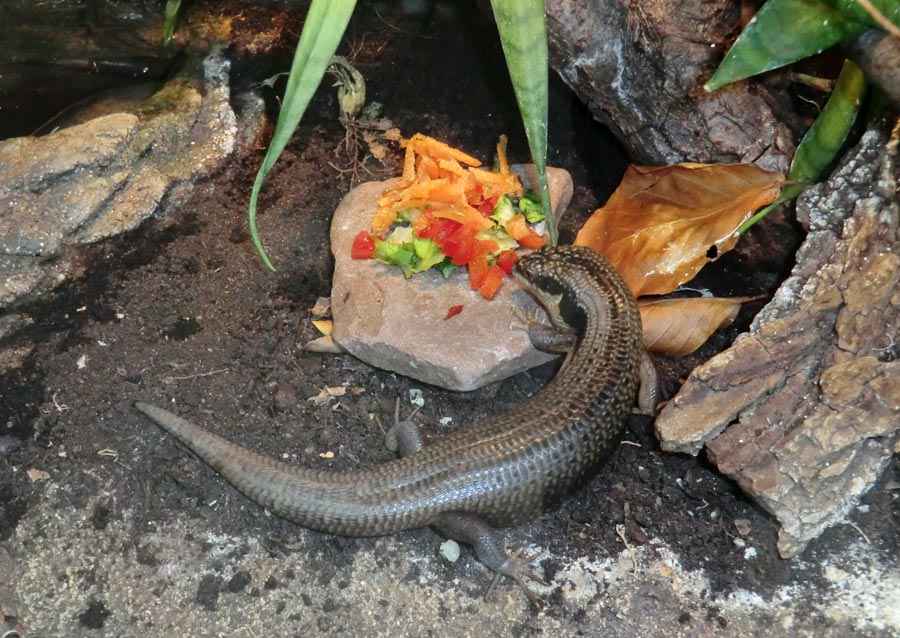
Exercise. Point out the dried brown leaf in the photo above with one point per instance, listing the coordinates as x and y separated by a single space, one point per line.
35 475
677 327
663 224
327 394
322 309
324 345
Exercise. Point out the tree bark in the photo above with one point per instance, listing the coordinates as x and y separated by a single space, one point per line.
640 67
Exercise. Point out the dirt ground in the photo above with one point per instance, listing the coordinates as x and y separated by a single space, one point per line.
128 535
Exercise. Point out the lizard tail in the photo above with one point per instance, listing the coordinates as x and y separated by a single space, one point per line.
316 499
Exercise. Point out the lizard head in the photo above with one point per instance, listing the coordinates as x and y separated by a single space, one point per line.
546 274
564 278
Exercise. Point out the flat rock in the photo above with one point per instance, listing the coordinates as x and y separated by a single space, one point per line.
804 410
399 324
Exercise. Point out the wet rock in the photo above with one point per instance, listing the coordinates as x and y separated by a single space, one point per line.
804 410
399 324
105 176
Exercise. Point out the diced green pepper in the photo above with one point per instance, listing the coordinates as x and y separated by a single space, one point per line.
503 211
393 254
530 205
428 254
445 267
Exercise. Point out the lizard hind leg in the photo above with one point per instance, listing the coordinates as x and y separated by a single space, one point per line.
403 437
473 531
648 392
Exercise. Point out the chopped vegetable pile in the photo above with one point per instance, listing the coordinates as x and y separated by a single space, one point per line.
445 212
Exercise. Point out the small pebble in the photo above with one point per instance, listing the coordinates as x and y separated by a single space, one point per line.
416 397
742 525
450 550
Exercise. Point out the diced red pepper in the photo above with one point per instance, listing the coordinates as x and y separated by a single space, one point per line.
465 251
492 281
460 245
478 269
506 260
454 310
486 207
488 246
435 228
446 228
532 240
363 246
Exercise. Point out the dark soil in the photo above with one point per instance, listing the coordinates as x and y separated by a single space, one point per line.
182 313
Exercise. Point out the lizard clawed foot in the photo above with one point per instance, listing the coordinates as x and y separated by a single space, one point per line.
516 568
524 320
471 529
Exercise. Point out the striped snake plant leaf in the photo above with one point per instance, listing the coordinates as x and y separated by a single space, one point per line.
322 32
781 32
523 34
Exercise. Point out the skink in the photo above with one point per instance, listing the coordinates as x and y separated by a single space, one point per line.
504 470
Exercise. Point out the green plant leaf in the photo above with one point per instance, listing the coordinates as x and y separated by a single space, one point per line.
783 31
824 139
322 32
853 10
170 20
523 33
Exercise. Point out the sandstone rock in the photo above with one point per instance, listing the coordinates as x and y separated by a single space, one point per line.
804 410
105 176
399 324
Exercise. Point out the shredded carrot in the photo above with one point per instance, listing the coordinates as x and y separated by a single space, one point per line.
409 166
427 167
465 215
497 183
452 166
448 199
424 145
501 156
436 175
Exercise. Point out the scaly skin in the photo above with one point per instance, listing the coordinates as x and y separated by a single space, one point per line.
504 470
